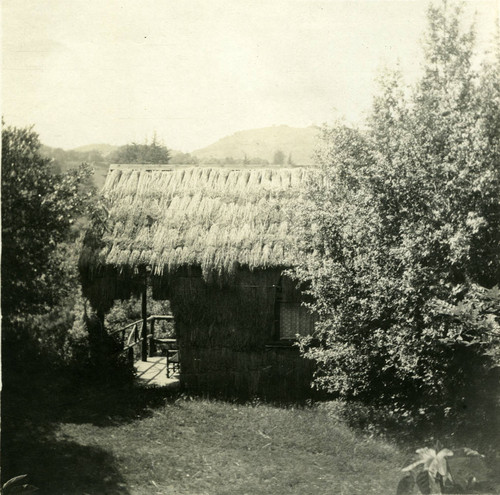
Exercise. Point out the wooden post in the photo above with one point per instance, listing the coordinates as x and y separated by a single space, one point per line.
152 346
144 333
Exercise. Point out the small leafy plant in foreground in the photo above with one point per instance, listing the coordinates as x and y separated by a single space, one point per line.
444 471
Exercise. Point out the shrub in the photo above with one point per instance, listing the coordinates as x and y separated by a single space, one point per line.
403 221
42 213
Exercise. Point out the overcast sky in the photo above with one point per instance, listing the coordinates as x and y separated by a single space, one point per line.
110 71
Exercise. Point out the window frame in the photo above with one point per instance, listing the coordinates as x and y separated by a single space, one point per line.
287 292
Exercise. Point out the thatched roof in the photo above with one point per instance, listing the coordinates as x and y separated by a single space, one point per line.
218 218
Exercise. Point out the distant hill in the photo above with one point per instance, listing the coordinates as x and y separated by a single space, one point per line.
103 148
263 143
63 161
255 145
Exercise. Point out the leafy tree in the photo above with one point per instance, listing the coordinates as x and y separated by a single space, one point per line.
41 213
63 160
39 209
153 153
184 159
404 221
279 158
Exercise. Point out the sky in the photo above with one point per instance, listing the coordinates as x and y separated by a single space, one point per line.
194 71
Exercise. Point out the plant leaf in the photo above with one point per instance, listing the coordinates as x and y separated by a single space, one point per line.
15 481
412 466
438 464
406 485
423 482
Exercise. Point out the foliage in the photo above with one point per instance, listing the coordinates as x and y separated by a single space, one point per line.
474 320
65 159
184 159
18 485
39 211
148 153
124 312
404 219
444 471
377 421
42 215
58 332
279 158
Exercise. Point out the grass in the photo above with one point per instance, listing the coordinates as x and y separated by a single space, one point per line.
134 441
213 447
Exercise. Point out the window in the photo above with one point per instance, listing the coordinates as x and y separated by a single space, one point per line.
292 317
295 319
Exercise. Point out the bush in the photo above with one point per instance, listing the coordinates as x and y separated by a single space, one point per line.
403 221
43 213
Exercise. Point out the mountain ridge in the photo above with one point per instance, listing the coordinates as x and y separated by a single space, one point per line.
103 148
251 147
296 143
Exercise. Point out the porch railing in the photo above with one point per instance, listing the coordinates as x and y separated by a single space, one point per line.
132 334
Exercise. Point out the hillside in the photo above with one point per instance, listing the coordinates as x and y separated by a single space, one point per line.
263 143
295 143
103 148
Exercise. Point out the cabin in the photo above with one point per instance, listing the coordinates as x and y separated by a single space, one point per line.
216 242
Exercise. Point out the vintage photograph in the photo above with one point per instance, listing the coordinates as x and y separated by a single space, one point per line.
250 247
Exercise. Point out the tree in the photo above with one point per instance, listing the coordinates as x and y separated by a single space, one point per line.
184 159
279 158
40 209
404 222
153 153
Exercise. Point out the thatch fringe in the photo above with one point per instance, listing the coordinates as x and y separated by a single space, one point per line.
215 218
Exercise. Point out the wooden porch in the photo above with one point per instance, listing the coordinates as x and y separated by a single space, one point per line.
155 357
153 372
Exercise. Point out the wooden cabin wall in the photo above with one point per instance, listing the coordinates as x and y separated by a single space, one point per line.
227 338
